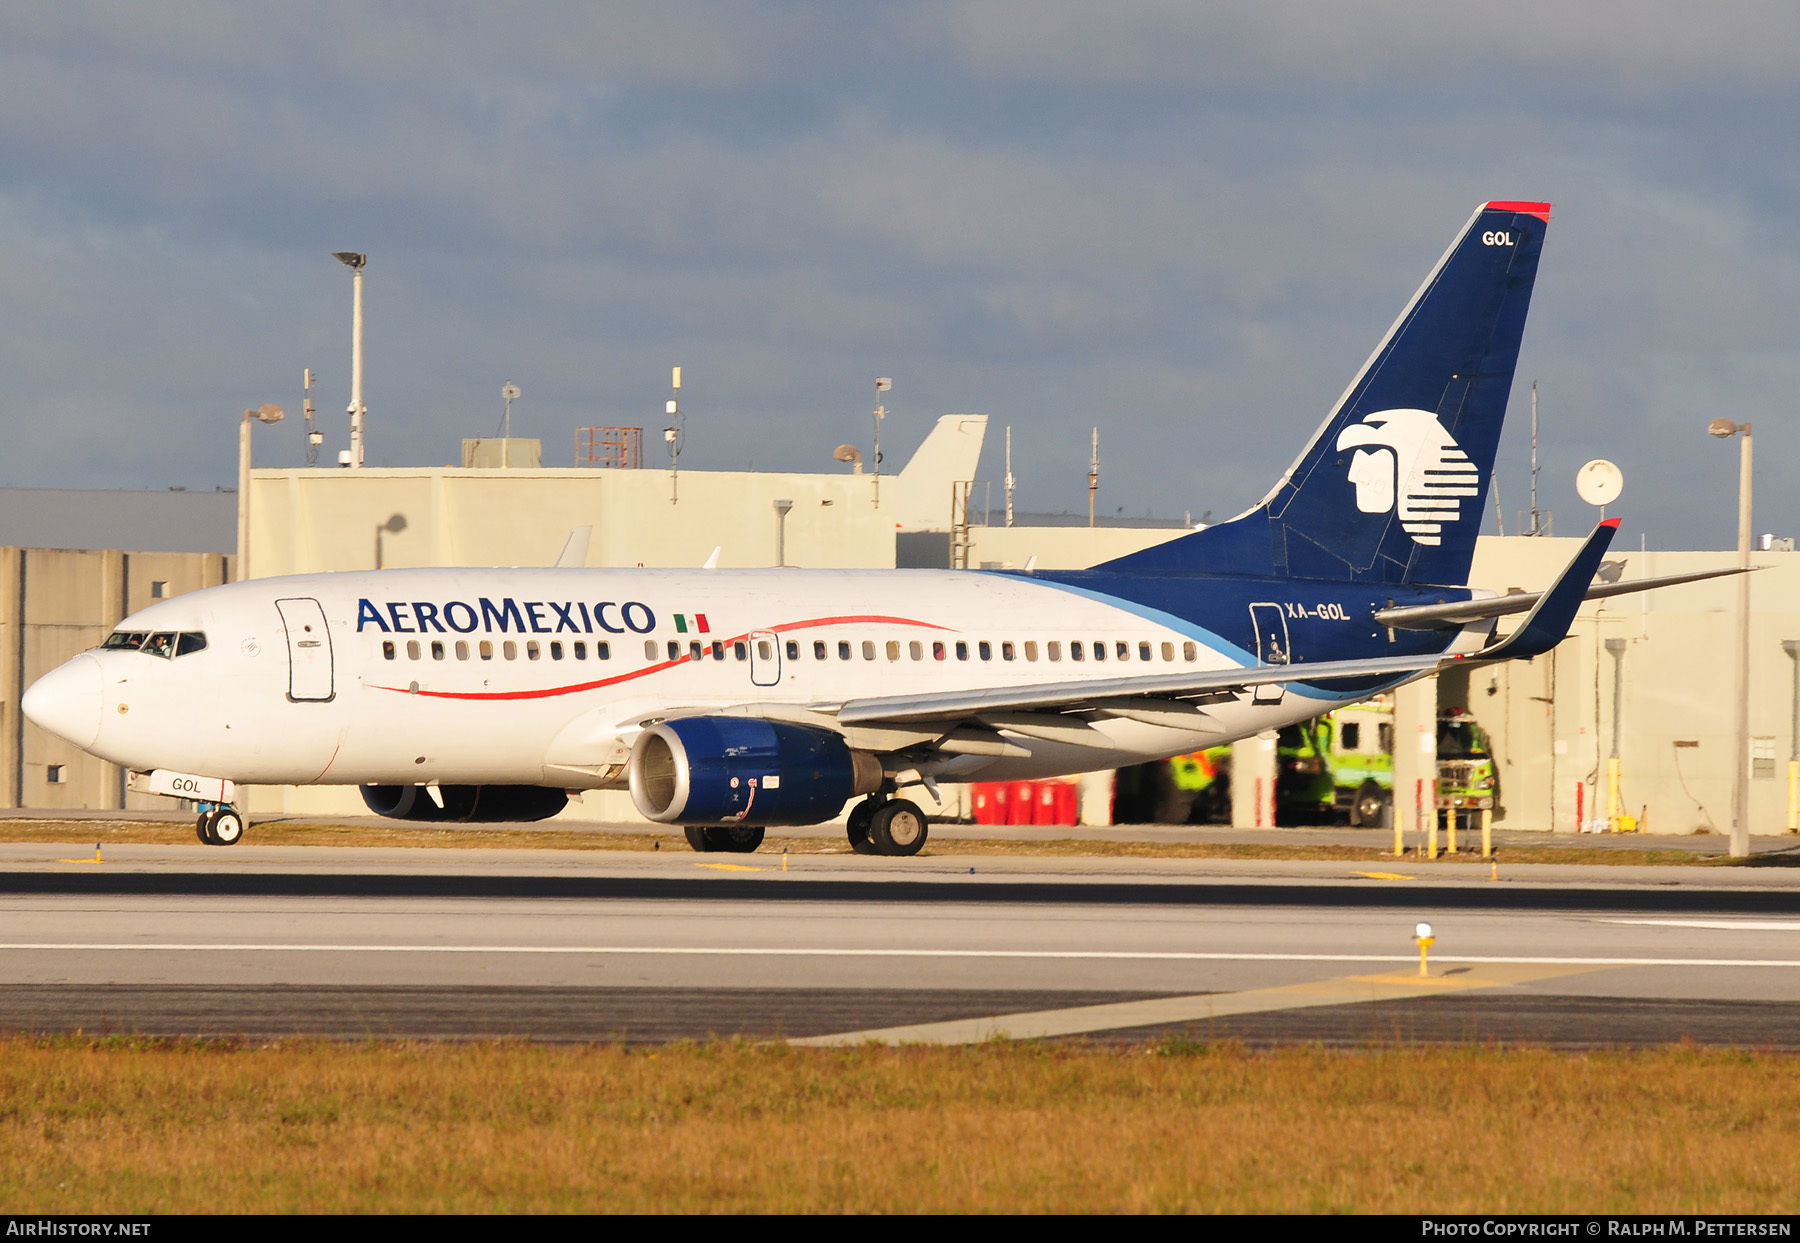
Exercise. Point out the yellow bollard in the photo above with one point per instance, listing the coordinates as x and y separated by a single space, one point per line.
96 852
784 860
1450 828
1495 864
1422 934
1399 831
1487 831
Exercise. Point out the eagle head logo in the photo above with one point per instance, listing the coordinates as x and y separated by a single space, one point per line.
1411 463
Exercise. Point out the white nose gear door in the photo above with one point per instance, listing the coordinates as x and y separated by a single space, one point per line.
309 651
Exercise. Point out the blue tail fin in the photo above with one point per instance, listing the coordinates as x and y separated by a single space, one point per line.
1390 488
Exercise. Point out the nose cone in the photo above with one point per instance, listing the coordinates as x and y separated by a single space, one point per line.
66 701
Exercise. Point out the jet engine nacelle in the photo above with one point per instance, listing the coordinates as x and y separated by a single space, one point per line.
741 770
465 804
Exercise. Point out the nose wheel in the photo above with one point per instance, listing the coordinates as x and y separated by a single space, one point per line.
220 826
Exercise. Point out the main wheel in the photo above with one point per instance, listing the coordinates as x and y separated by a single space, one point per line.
203 826
856 826
898 828
227 827
698 839
1366 808
738 839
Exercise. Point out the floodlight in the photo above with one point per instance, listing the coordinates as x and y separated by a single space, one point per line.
1721 428
350 258
1423 932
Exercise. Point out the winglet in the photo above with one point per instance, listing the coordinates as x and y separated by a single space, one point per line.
1548 623
575 549
712 562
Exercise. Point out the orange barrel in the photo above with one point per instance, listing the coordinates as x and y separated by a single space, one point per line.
1024 800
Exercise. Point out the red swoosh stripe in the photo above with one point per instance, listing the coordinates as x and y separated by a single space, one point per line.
551 692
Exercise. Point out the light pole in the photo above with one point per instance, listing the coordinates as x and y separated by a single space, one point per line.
1792 648
1740 778
355 263
262 414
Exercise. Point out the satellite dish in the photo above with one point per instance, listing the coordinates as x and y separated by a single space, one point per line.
510 392
1599 482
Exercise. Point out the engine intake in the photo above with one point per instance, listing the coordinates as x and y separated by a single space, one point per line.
741 770
465 804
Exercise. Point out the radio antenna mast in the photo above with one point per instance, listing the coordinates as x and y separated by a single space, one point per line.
1537 527
1009 477
1093 476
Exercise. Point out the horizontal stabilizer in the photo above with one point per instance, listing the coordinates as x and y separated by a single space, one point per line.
1550 618
1459 613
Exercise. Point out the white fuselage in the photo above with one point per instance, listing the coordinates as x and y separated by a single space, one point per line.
545 676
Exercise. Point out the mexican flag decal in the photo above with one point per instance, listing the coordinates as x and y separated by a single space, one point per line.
695 623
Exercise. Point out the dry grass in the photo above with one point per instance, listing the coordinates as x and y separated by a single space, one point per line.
77 834
141 1127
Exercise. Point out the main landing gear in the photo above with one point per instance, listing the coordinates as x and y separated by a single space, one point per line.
220 826
734 838
890 826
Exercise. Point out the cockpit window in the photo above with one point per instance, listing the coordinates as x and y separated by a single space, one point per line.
166 644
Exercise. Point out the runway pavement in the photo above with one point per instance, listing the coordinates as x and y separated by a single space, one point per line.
261 942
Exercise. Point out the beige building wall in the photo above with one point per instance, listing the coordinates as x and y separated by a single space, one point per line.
1551 720
55 604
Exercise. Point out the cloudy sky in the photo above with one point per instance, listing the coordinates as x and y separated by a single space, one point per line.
1184 223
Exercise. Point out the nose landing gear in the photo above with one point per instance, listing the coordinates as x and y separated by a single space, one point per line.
220 826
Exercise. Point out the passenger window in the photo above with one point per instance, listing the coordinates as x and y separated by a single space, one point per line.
763 650
962 650
1168 651
462 649
674 650
916 650
1124 652
893 649
1099 651
843 649
819 649
190 643
580 650
437 649
1052 650
696 650
985 650
740 650
510 650
1031 649
556 652
718 649
793 650
412 649
1076 651
649 649
1006 651
1143 652
1189 652
532 651
387 649
868 649
487 649
602 651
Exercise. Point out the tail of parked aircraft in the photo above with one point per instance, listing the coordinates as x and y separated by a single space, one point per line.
1390 488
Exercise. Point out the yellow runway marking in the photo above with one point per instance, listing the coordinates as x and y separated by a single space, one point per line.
732 867
1035 1025
1384 876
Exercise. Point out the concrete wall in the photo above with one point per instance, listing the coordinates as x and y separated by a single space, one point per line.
55 604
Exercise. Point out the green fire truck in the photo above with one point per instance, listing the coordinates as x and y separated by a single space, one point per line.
1339 765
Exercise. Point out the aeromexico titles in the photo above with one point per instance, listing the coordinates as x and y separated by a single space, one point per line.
732 700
